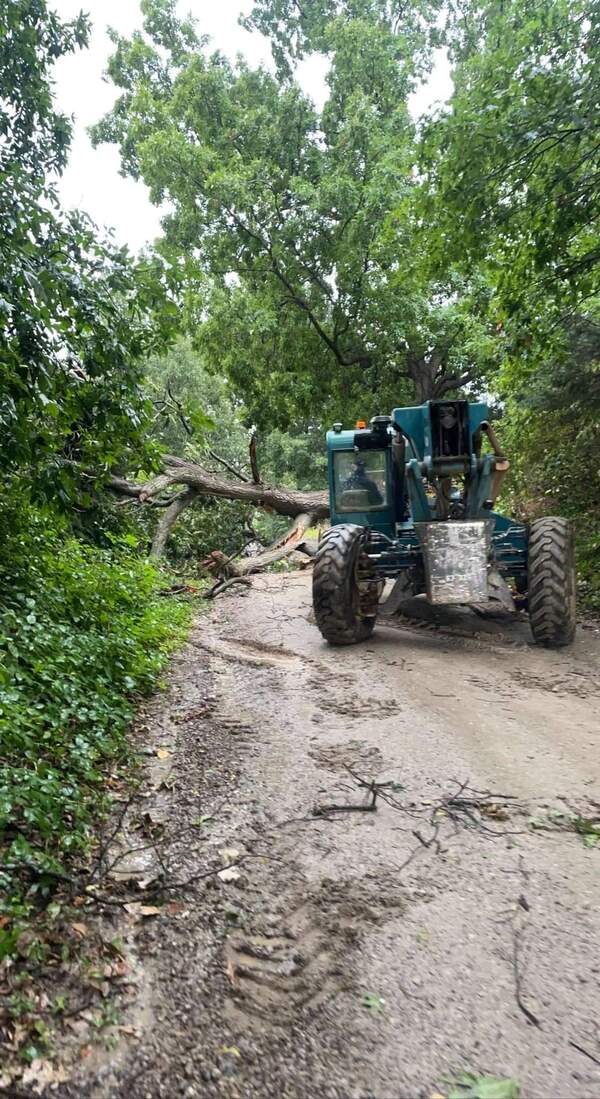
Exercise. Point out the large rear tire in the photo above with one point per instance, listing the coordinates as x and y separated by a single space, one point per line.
341 607
552 582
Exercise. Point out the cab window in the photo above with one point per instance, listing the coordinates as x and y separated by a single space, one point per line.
360 480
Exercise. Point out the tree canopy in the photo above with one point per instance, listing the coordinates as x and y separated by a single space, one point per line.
77 315
512 162
293 230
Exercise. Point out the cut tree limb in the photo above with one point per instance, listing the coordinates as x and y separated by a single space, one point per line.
227 568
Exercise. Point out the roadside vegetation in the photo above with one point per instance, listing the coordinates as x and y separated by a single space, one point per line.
83 630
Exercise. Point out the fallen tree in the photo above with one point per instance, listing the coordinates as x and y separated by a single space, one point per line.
192 480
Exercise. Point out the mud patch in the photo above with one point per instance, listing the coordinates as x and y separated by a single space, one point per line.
305 957
352 753
254 653
337 695
359 707
251 645
572 683
461 627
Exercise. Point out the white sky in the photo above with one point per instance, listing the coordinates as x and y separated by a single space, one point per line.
91 180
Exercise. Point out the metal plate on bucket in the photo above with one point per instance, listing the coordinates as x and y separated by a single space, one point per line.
456 560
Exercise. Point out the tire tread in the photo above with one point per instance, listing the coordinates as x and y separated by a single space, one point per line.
333 577
551 582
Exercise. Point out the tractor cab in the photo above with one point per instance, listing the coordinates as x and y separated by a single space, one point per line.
412 499
361 487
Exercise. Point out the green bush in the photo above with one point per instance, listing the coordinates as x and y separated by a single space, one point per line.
555 463
82 632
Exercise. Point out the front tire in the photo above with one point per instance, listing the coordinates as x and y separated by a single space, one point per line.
552 582
341 608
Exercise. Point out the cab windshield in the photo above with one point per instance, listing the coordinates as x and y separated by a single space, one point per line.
360 480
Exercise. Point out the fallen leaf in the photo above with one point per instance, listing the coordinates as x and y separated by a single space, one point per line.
120 968
149 910
40 1073
229 855
230 972
471 1086
233 1050
80 929
231 873
163 753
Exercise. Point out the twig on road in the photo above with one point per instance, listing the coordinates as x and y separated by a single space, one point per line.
529 1015
586 1052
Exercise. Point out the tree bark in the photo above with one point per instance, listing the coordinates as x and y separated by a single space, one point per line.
305 508
429 375
279 498
227 569
168 519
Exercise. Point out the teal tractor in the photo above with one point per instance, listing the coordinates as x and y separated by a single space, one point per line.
411 500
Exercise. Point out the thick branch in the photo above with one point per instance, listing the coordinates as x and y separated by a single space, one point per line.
168 519
290 542
305 507
451 381
363 358
178 471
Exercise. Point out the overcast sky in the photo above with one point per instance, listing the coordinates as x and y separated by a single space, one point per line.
92 181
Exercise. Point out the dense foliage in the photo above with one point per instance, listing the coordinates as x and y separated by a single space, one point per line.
81 629
197 417
294 230
77 316
81 634
513 164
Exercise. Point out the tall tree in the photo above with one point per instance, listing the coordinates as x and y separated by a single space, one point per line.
513 162
293 230
77 316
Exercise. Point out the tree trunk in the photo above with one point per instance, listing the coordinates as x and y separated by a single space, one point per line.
305 508
168 519
430 377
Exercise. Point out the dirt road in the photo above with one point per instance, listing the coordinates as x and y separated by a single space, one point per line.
370 954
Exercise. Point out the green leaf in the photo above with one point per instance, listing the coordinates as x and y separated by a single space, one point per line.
472 1086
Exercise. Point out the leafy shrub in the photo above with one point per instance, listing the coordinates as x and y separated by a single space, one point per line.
555 458
81 633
